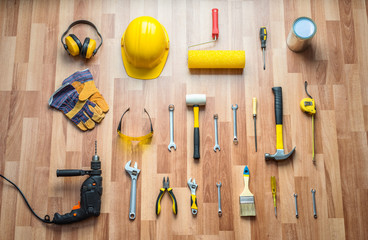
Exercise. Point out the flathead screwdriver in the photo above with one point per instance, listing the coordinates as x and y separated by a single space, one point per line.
263 38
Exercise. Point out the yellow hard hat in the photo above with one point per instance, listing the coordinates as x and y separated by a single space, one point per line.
144 47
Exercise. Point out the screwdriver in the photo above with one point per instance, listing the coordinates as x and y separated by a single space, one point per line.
273 187
255 120
263 38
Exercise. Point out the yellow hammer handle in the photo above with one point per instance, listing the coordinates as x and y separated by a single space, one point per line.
196 115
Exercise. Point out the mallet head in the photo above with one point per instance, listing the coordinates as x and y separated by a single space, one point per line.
195 99
279 155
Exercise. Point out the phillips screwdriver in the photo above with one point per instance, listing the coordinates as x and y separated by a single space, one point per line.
273 187
255 120
263 38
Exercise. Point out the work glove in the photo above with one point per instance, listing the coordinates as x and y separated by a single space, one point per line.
84 114
83 82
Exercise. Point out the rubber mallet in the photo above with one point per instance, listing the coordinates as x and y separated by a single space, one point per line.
196 100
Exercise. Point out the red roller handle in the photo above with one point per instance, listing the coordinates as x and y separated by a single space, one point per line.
215 30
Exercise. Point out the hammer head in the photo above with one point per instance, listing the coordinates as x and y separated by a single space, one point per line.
196 99
279 155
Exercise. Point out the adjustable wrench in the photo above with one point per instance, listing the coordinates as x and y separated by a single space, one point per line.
217 146
133 172
193 187
219 198
171 144
234 108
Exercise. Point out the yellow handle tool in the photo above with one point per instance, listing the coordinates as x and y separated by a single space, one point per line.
194 202
165 187
308 105
273 188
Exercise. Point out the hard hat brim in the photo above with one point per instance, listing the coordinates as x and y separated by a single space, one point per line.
145 73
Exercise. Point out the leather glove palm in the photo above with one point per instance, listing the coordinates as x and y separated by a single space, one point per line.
83 82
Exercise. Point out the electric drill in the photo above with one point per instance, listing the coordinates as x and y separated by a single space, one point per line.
91 191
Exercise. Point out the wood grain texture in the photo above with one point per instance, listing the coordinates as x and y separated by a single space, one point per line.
35 140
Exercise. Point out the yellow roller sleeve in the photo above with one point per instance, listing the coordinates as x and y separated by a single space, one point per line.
196 114
279 141
216 59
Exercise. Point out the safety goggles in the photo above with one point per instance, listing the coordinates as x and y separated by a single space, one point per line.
145 137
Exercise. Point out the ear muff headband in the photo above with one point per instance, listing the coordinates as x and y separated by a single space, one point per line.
81 22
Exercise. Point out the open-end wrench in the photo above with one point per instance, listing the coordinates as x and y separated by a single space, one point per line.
234 108
219 198
314 202
217 146
171 144
193 187
133 172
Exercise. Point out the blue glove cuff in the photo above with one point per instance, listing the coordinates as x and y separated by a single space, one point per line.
80 76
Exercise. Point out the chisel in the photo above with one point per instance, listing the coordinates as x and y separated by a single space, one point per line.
255 120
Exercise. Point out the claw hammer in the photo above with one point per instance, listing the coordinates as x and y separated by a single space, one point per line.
280 153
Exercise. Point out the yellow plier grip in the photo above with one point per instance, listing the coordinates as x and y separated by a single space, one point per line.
175 205
158 202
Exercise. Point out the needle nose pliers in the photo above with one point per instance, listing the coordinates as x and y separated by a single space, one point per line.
166 186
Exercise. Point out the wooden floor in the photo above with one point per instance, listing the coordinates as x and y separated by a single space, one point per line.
35 140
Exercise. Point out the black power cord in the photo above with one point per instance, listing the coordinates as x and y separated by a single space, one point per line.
46 219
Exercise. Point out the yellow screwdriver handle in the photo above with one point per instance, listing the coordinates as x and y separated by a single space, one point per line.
254 101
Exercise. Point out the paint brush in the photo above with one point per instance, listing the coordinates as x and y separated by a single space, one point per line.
247 207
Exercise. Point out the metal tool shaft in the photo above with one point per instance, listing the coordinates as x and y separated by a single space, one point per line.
255 131
219 198
296 205
172 143
171 126
217 146
235 107
314 203
264 59
133 199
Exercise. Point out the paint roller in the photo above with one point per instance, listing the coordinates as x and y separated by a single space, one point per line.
215 58
196 100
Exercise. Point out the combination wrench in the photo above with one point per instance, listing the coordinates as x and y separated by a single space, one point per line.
217 146
219 198
172 143
234 108
133 172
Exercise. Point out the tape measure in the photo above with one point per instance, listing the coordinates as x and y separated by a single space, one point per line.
308 106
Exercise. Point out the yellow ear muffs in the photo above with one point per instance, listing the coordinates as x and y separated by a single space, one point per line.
73 44
74 47
88 48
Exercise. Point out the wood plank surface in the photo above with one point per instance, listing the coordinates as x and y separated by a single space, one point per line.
36 140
